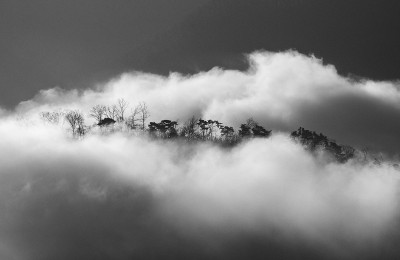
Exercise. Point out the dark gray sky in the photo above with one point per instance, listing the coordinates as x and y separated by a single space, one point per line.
74 43
77 43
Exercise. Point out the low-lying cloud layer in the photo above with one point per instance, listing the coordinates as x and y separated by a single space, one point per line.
282 91
119 196
124 196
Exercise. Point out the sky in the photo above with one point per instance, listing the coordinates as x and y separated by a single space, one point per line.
75 44
71 44
117 193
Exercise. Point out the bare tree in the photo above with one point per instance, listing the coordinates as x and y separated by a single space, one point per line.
98 112
121 106
76 121
189 129
132 120
51 117
112 112
143 114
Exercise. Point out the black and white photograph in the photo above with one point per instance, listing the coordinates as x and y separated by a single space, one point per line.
199 129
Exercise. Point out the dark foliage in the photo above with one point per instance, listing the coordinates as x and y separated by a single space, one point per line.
245 131
164 129
106 121
314 141
253 129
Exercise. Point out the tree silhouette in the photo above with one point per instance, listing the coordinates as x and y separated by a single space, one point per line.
76 122
253 129
143 113
203 125
313 141
244 131
227 131
133 118
189 129
193 129
98 112
259 131
208 128
121 107
165 129
51 117
112 112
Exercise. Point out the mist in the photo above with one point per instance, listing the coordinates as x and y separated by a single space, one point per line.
124 195
282 91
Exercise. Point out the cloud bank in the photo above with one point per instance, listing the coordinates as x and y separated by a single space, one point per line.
282 91
124 196
119 196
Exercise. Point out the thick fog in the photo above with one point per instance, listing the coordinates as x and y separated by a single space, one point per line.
121 196
126 196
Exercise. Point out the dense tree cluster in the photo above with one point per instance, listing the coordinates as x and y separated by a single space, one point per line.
164 129
314 141
253 129
115 117
202 130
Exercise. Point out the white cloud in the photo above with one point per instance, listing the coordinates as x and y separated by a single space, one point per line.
119 196
280 90
122 195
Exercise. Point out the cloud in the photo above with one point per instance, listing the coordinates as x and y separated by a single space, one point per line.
280 90
123 195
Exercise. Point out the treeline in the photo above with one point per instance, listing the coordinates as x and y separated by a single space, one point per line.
314 141
115 118
207 130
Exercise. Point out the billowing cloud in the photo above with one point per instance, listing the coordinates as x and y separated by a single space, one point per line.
282 91
124 195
